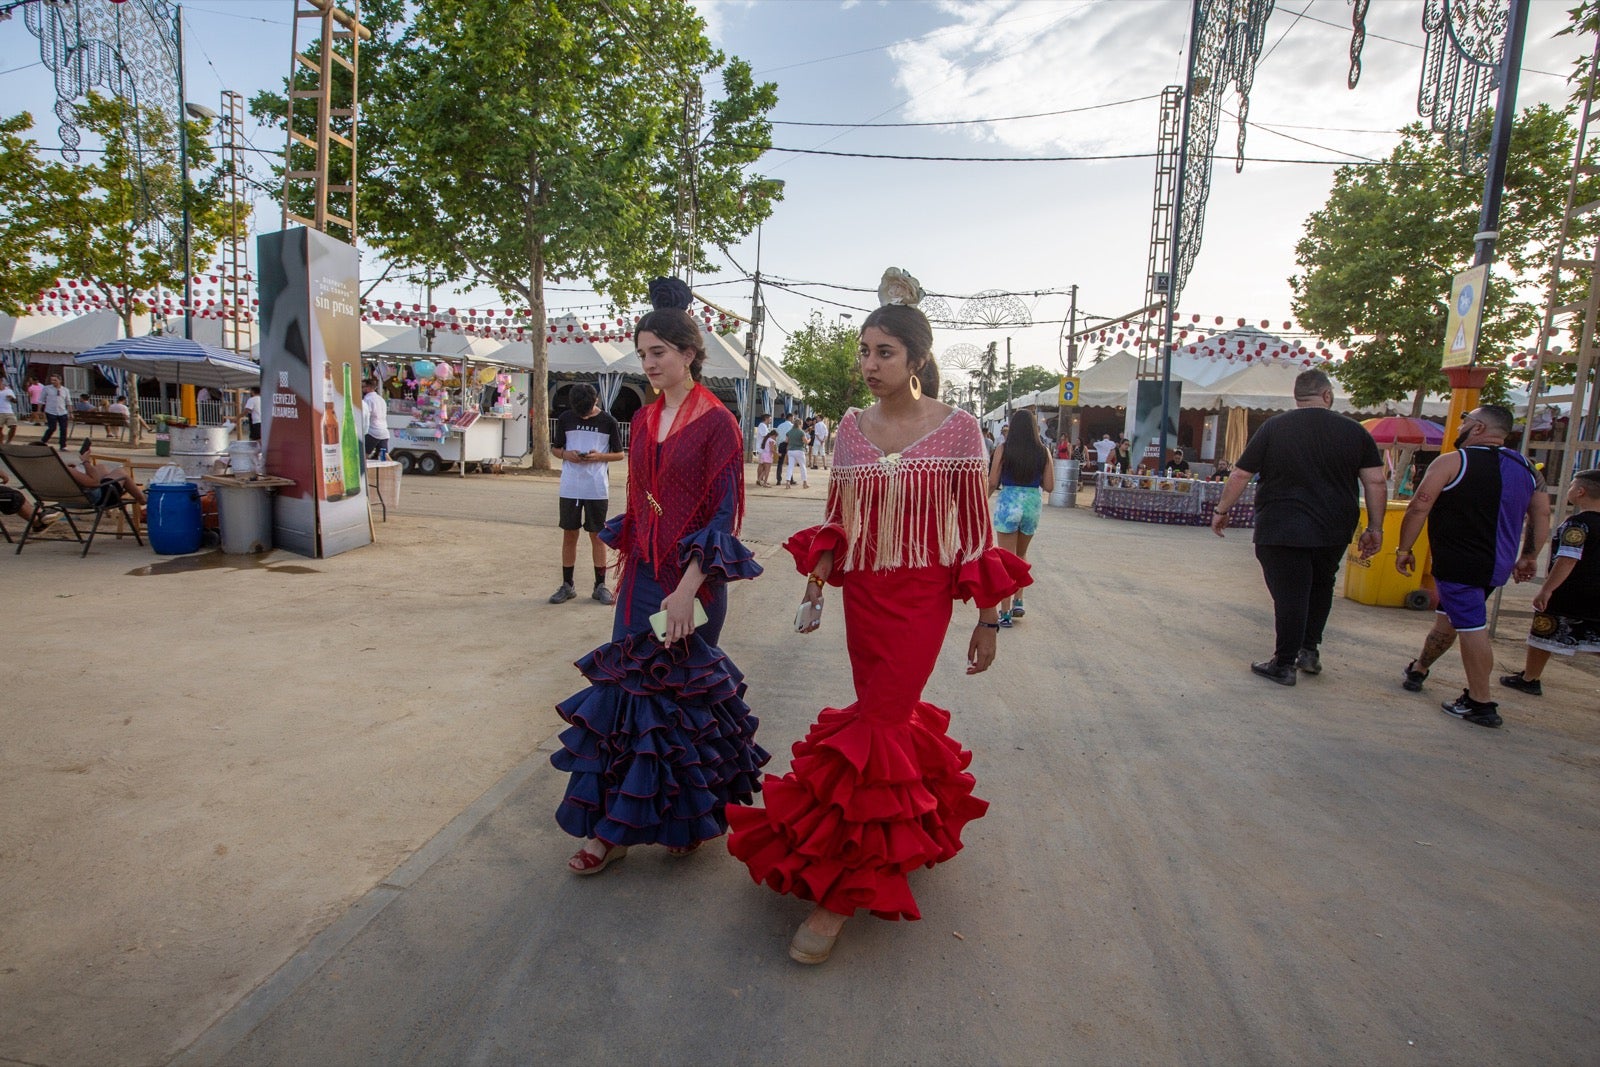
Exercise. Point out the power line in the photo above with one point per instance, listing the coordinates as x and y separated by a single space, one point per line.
1285 33
967 122
1410 44
236 15
1049 159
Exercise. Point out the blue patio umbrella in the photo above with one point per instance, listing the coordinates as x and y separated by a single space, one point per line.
175 360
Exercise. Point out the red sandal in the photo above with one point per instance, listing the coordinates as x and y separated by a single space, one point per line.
585 862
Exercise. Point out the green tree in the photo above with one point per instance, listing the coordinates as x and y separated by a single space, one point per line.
535 141
29 189
1378 258
821 357
116 222
1024 380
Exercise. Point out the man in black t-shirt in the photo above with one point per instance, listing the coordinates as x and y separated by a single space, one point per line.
1310 461
588 441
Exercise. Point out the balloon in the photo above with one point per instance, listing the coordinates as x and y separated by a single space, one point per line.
423 368
443 373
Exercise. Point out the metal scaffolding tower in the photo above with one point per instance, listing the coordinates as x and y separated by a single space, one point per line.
334 93
237 333
1577 259
1157 279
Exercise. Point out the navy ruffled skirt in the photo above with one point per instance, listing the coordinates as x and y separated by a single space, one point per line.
662 740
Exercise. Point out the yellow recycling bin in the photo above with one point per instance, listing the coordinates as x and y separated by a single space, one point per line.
1375 581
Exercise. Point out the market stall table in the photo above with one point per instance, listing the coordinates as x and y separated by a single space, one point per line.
1168 501
383 478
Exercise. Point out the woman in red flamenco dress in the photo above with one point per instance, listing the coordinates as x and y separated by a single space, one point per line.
878 789
662 740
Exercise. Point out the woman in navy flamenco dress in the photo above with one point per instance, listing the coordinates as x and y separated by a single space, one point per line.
879 789
662 739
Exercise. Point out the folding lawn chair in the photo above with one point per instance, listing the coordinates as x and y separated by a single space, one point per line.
45 477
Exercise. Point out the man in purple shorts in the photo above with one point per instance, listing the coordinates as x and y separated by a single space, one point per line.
1487 516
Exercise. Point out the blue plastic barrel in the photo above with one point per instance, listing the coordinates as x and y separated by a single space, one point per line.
172 518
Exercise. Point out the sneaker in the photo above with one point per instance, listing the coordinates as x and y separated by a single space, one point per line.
1282 673
1521 684
1414 678
1005 620
602 594
564 594
1017 610
1464 707
1309 661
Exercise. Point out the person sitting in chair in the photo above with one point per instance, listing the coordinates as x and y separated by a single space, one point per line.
97 476
15 502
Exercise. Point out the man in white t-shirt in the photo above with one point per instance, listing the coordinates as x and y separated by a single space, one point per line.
252 412
119 406
1103 449
375 414
819 444
8 410
57 411
589 440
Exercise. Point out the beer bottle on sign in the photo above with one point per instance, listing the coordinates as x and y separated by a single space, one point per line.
332 462
350 444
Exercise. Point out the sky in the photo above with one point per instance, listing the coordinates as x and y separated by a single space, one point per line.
1028 227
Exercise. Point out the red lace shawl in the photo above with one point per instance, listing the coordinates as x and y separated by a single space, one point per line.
924 506
671 488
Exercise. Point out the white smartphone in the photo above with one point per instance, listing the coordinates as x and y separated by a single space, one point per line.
658 621
809 615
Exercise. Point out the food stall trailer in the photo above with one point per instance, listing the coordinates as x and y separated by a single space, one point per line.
475 416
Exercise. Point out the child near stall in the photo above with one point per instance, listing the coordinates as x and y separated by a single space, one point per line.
1567 606
764 457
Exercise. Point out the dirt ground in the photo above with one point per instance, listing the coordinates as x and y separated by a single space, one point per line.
207 760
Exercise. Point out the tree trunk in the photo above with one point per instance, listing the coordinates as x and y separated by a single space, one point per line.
539 378
1416 403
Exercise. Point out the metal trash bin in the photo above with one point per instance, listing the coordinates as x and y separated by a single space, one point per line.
197 449
244 515
1065 494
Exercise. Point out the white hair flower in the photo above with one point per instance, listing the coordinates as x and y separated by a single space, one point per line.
899 287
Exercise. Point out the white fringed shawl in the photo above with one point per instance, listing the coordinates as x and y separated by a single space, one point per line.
926 506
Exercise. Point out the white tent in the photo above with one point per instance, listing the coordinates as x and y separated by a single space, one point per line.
569 357
1269 386
446 346
61 343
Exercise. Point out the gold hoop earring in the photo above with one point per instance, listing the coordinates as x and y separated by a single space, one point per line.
916 386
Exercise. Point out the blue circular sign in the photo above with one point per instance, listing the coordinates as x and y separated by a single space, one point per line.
1464 302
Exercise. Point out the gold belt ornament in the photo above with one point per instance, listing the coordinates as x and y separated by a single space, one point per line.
655 505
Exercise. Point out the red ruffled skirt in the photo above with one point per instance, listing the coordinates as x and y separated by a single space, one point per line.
877 789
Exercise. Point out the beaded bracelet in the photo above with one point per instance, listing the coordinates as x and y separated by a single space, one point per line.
990 625
820 582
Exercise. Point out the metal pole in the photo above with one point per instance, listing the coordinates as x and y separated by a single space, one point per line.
1008 377
183 193
1505 108
1177 230
1072 369
751 347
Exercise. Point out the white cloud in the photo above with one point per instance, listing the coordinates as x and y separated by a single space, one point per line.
1011 58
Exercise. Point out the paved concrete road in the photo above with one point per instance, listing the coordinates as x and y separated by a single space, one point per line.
1183 863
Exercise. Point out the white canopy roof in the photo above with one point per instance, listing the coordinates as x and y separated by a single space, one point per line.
409 345
62 342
